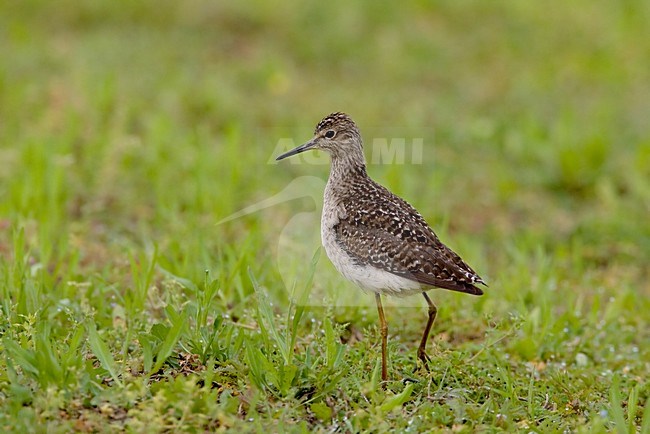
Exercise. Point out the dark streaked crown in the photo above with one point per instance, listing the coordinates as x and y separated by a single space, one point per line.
338 120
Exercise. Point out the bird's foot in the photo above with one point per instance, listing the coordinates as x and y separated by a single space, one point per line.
424 360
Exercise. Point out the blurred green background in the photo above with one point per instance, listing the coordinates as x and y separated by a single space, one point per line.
129 129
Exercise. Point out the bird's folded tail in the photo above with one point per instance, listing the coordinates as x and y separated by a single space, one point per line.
452 285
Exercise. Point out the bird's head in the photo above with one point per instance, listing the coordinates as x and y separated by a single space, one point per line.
336 134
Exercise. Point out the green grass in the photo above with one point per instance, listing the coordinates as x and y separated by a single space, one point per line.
127 131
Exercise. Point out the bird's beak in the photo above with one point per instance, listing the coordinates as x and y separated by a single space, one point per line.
302 148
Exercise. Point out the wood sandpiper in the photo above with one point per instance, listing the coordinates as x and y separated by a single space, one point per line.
376 239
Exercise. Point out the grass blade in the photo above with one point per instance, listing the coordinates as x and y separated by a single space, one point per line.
103 354
266 314
171 339
302 302
398 399
616 407
645 422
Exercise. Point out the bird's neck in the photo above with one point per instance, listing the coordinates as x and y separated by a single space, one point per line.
348 164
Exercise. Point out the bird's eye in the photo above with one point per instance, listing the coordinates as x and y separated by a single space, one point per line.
330 134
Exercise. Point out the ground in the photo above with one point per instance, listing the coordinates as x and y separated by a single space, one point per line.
131 131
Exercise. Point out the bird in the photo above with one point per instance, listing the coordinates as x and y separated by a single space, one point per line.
376 239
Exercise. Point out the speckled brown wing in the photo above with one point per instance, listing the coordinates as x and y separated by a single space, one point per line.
384 231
